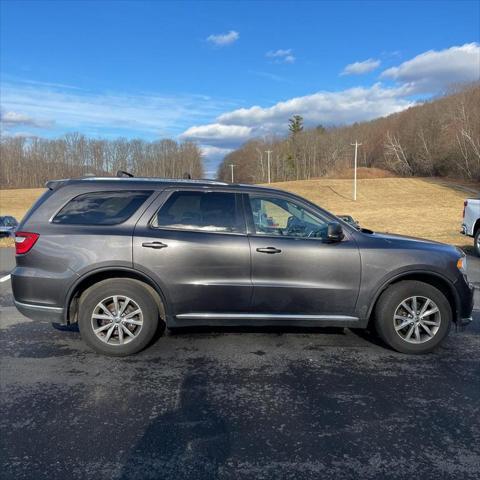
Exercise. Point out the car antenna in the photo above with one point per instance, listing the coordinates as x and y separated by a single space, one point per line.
123 173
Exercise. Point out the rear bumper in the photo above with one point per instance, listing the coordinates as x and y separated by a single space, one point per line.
464 231
40 294
41 312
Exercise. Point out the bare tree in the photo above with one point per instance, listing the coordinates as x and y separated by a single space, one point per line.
31 161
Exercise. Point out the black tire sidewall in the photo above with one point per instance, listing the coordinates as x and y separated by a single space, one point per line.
476 246
389 301
136 292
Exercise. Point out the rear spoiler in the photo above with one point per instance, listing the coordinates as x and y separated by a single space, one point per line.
54 184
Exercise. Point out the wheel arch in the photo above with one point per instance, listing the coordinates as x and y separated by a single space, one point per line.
93 277
430 278
476 227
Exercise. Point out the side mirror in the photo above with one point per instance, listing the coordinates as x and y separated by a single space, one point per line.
335 232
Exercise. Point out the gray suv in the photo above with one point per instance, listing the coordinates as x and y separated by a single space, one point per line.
125 257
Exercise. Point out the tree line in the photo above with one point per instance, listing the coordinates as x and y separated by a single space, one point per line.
438 138
31 161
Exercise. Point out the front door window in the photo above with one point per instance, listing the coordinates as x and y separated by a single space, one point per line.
279 217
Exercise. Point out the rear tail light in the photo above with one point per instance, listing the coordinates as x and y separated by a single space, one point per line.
465 203
24 241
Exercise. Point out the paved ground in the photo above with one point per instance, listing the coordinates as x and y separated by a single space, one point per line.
231 404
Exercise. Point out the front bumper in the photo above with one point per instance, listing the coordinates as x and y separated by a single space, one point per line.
44 313
465 298
463 322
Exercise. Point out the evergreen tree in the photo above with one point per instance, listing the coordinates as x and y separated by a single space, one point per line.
295 124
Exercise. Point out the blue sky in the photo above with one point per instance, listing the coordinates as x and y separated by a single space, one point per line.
194 70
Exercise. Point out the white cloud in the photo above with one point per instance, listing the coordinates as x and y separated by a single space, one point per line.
359 68
223 39
347 106
282 56
433 71
105 113
17 119
215 133
210 150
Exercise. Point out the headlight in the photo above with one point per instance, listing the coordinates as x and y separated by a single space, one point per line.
462 264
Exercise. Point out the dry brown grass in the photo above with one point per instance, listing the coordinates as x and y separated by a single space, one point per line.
407 206
16 202
362 172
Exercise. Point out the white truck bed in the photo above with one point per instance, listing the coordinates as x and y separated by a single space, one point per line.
471 221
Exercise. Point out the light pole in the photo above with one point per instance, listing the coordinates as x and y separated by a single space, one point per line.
356 145
231 166
268 152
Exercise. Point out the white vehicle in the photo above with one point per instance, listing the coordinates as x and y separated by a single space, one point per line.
471 221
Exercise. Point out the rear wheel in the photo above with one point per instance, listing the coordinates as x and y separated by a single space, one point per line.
118 317
476 242
413 317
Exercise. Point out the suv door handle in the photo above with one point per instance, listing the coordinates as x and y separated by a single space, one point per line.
156 245
270 250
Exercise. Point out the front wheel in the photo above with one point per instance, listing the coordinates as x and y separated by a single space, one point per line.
476 242
117 317
413 317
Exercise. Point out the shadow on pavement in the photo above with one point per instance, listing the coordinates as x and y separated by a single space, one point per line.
189 442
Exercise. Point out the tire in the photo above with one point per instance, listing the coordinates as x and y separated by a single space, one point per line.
142 325
391 304
476 242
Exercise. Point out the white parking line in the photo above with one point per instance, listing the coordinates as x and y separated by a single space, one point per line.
5 278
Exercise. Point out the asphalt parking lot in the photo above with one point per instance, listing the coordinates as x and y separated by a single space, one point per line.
237 404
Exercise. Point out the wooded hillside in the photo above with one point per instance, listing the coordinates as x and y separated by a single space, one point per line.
30 162
438 138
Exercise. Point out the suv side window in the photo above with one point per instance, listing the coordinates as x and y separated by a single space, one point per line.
277 216
101 208
201 211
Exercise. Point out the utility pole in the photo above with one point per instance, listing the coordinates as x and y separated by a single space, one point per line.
231 166
268 152
356 145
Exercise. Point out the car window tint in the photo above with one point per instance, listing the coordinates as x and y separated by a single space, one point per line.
276 216
204 211
101 208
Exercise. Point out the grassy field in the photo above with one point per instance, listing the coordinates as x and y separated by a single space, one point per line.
16 202
419 207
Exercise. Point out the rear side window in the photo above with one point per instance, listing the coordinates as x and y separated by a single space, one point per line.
101 208
204 211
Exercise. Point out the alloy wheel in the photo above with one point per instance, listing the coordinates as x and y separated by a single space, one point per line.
117 320
417 319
